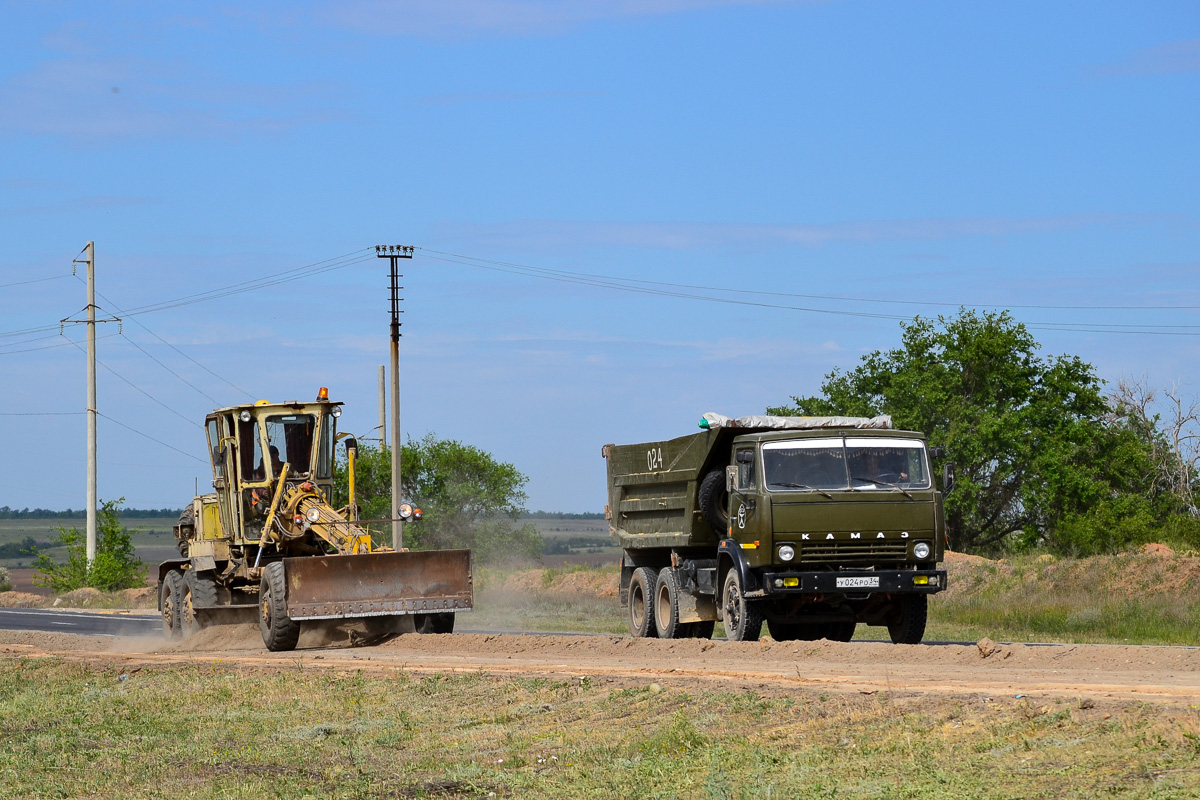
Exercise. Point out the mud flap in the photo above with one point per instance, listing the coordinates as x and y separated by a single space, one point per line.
378 584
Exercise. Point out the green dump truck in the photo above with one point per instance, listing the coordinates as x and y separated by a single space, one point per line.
810 524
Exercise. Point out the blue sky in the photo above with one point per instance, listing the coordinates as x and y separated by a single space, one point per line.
987 154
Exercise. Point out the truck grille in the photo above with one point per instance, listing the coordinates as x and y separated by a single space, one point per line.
853 552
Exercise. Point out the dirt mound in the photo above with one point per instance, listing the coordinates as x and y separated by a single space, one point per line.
21 600
143 597
80 598
535 581
1156 549
952 557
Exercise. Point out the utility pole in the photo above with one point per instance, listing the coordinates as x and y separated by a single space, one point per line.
91 403
90 260
395 252
382 406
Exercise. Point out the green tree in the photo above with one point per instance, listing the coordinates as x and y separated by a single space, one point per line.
1041 459
469 499
115 566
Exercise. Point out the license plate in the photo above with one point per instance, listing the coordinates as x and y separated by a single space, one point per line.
858 583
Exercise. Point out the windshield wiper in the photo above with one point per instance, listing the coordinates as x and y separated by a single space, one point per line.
801 486
882 483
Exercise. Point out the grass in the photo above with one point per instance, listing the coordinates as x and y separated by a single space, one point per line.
1127 598
152 537
1121 599
205 730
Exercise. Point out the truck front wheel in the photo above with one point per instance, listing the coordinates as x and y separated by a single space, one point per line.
907 624
641 603
279 631
743 618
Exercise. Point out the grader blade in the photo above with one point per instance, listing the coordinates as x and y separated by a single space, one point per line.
378 584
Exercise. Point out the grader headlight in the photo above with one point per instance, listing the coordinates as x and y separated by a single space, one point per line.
313 514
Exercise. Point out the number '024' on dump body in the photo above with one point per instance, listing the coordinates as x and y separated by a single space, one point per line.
811 525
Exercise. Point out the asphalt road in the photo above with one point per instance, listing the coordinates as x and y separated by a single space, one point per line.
82 622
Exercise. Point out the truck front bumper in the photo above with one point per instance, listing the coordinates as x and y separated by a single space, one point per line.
918 581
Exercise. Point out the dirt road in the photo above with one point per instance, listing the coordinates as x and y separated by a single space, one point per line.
1164 675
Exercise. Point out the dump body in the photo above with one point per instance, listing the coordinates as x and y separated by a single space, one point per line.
829 522
270 544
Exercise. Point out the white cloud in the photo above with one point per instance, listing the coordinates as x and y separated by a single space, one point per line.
555 234
458 18
89 99
1168 58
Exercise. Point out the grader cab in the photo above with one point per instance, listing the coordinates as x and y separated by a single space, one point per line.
270 545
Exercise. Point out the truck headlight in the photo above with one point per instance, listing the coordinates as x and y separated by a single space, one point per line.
921 550
786 552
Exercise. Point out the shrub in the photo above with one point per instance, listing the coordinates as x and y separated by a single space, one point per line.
115 566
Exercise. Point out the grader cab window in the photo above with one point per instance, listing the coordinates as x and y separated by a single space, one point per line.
325 448
250 451
214 448
290 439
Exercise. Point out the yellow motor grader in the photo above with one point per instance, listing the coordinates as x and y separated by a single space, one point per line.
269 544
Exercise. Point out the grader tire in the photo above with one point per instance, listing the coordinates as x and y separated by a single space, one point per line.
197 590
434 623
168 604
187 522
279 631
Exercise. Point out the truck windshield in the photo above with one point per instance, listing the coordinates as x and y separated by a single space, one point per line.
851 463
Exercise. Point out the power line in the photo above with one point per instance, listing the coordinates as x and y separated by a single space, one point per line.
50 346
177 350
36 280
296 273
41 413
185 418
151 438
838 298
173 372
648 287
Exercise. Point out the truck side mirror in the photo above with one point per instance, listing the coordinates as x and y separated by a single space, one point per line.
947 478
351 444
731 475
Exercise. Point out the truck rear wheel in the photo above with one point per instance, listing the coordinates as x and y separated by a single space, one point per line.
168 604
641 603
907 626
279 631
841 631
743 618
666 608
714 501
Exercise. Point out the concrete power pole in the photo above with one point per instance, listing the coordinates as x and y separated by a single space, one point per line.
91 409
395 253
91 402
382 406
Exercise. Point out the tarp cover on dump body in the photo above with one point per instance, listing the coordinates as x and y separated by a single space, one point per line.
882 422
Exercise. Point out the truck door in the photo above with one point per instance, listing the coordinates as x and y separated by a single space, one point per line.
745 507
220 468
